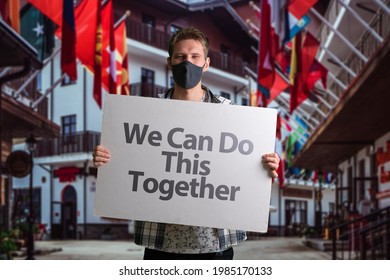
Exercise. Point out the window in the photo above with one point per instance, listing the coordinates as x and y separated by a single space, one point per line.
171 81
332 207
296 216
225 95
174 29
39 81
68 125
69 141
244 101
225 52
148 25
147 82
148 20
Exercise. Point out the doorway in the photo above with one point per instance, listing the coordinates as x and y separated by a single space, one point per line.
296 216
69 212
64 215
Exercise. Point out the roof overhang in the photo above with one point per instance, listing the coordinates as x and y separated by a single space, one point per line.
19 120
14 50
360 118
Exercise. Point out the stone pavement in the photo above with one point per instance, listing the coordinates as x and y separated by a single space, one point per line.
266 248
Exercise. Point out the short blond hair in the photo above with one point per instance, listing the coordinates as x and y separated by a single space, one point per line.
186 34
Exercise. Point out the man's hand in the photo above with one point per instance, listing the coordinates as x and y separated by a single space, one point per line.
271 162
100 156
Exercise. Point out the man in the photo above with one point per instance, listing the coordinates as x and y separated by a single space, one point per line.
188 60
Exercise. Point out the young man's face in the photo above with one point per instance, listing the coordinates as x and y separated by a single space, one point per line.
189 50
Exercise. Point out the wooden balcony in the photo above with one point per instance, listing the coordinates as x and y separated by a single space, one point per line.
80 142
147 90
159 39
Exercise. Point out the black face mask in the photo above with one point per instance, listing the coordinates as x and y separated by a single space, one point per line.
186 74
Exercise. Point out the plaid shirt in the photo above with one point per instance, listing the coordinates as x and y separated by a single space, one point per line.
182 238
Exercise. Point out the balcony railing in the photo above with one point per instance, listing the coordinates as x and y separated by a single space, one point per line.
80 142
148 90
159 39
29 93
367 45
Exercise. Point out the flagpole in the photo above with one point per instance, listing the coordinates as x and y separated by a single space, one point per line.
345 67
300 133
324 102
383 6
291 118
341 36
252 25
315 107
127 14
281 100
328 91
299 112
49 90
340 83
254 7
36 72
359 19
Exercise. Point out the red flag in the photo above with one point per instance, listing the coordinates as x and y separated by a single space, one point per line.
97 79
317 71
300 7
86 16
108 49
121 46
280 85
51 9
279 150
9 11
305 56
265 74
68 46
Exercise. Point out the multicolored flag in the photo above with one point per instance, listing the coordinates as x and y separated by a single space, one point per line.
121 47
300 7
265 73
304 54
279 151
68 46
38 30
108 49
51 9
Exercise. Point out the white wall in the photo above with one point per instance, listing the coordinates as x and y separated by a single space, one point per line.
328 196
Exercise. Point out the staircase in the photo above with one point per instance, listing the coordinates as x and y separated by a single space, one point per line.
364 237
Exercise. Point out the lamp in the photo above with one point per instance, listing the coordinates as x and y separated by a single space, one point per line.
31 143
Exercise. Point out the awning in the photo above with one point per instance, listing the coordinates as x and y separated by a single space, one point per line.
360 118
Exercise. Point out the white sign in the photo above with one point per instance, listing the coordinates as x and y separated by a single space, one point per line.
184 162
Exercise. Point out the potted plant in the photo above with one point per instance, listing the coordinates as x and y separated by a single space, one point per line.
8 244
308 232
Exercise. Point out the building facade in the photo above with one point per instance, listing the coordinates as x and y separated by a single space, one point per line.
64 178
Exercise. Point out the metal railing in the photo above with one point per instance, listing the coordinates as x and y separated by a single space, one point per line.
367 45
375 241
148 90
29 92
80 142
363 237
